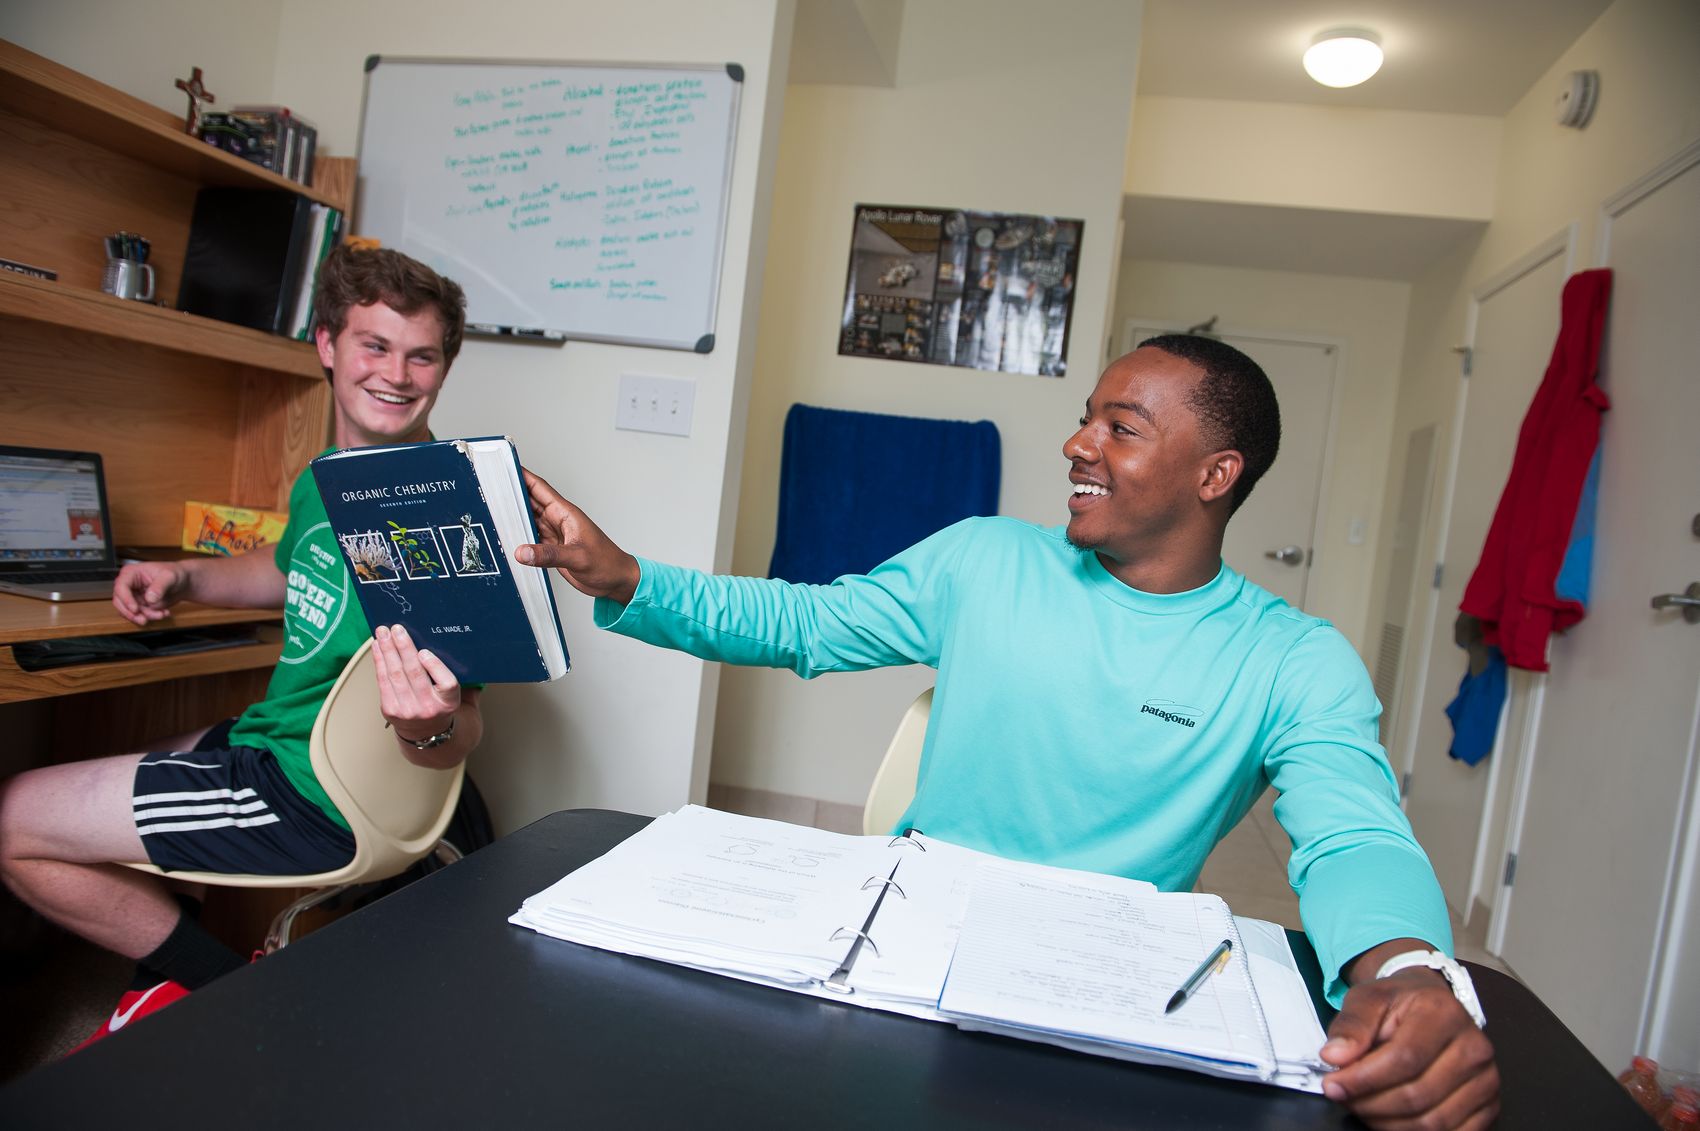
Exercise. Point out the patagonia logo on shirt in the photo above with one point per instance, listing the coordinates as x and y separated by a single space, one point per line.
1171 712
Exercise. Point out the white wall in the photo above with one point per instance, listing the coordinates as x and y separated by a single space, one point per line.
986 113
1368 317
143 48
1330 157
628 729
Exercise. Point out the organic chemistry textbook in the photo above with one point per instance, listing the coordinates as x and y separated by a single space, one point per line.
427 531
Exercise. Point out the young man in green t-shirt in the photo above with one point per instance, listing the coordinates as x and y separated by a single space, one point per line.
241 797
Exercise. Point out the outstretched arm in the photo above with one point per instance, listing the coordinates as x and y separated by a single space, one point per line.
576 547
145 591
1408 1053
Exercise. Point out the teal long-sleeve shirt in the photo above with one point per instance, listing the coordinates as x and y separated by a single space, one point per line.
1079 722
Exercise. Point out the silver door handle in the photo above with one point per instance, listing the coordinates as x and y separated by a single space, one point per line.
1286 555
1688 601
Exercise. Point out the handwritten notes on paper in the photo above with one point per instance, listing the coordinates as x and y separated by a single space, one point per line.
1090 958
586 200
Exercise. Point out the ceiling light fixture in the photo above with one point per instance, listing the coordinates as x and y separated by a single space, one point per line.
1343 57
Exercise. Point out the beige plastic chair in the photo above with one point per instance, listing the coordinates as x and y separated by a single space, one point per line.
894 783
396 810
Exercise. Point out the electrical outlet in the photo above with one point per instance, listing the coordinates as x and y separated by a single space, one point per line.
655 404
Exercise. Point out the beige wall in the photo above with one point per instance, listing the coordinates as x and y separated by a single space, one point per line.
628 729
984 114
1368 317
143 48
1314 157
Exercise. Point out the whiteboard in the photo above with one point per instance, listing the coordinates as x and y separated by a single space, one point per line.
569 200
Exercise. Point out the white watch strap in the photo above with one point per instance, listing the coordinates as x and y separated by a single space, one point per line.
1463 988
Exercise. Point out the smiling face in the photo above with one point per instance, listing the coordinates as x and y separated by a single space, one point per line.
386 370
1150 494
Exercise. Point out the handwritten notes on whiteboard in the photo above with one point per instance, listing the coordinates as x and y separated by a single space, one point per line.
572 200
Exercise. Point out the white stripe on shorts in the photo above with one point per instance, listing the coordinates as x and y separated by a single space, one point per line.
172 760
197 810
194 795
216 823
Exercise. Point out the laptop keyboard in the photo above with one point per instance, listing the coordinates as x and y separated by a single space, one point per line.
52 577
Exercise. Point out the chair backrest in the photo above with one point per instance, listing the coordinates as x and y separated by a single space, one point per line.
396 810
894 783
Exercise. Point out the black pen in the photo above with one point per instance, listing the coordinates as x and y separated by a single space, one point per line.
1213 962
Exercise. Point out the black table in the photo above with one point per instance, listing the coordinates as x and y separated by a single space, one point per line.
428 1009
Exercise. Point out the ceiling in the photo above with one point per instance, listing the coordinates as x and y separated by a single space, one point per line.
1443 56
1446 56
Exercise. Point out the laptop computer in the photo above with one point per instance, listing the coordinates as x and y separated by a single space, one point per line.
55 528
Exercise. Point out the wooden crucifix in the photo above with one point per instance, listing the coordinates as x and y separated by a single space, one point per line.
197 94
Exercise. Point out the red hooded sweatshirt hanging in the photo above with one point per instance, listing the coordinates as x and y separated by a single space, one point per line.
1512 591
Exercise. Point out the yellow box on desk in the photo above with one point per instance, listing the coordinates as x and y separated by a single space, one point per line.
215 528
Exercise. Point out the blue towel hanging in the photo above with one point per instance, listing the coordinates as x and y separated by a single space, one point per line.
857 487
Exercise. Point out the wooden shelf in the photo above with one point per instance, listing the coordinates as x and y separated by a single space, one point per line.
81 107
96 312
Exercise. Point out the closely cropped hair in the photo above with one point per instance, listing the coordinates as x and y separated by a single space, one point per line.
1235 404
351 278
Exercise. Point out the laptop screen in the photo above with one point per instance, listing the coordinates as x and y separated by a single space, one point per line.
52 510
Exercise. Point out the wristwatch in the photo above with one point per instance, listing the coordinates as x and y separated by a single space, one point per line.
1456 976
435 739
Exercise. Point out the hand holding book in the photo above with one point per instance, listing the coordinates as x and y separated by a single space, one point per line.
576 547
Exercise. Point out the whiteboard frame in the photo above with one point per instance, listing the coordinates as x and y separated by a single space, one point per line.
734 71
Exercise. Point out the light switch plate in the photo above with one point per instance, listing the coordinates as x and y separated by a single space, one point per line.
655 404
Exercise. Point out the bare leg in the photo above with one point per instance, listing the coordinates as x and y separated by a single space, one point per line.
60 828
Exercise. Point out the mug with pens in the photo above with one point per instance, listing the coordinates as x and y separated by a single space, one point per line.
127 273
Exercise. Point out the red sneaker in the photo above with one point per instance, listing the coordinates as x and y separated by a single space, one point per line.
134 1004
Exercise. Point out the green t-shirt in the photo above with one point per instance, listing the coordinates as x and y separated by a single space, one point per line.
323 627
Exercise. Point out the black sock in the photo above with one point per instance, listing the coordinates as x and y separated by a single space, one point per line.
146 977
189 956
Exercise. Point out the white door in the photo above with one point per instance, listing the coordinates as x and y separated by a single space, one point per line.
1270 538
1611 782
1516 318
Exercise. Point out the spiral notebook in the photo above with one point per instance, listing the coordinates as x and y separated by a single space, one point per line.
919 926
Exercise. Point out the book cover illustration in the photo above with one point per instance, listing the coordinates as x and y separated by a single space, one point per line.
423 550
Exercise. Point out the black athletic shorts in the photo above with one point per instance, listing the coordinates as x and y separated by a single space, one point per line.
219 808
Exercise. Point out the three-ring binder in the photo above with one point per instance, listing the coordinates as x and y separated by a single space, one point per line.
889 883
855 934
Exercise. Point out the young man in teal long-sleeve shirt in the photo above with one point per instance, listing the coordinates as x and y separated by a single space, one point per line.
1111 696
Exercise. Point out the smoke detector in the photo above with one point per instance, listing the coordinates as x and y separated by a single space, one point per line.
1577 97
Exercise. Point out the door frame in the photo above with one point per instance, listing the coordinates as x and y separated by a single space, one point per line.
1337 348
1562 242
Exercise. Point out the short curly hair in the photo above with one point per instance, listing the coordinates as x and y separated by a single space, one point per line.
353 277
1235 404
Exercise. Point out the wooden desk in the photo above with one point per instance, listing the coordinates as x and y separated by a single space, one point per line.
108 708
428 1009
24 619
